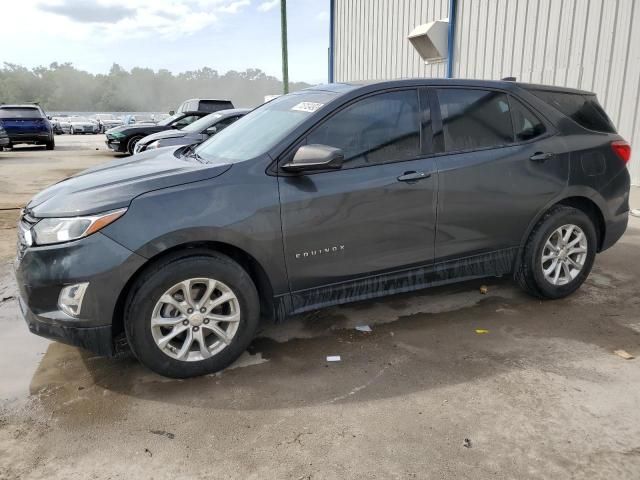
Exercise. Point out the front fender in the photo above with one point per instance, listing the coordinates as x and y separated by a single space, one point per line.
237 210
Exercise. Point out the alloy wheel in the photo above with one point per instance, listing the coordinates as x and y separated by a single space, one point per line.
195 319
564 254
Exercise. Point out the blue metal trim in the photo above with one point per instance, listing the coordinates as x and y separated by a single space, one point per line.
451 37
332 5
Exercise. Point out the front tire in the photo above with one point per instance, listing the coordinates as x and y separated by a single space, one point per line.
559 254
131 144
192 315
51 144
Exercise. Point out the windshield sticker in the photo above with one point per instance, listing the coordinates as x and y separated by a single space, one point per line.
307 107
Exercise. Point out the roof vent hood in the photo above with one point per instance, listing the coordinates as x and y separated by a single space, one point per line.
431 40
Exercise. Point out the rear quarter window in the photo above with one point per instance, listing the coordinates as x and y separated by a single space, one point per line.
585 110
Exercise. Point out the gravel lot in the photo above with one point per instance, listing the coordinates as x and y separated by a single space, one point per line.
541 395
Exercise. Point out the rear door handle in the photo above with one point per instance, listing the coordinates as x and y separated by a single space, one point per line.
413 176
540 157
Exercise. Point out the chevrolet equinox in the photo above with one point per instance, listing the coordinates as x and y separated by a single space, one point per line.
333 194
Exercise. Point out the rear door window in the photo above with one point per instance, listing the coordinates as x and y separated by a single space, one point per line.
526 125
379 129
585 110
473 119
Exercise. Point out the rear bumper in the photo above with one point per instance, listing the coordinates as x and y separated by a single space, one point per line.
615 228
30 137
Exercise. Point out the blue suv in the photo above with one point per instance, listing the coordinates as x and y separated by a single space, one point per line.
27 124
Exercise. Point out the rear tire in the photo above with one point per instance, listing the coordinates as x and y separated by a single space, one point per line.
158 298
51 144
559 254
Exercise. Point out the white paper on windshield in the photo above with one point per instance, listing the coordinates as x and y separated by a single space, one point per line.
309 107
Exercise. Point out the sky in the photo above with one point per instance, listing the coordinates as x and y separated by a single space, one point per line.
177 35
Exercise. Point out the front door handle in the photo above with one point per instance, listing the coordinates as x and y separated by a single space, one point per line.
540 157
413 176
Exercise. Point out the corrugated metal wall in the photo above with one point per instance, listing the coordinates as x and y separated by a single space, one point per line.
588 44
371 39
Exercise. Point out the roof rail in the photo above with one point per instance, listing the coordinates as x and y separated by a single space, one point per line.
509 79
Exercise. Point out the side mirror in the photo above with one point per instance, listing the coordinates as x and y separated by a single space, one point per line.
315 157
49 117
211 130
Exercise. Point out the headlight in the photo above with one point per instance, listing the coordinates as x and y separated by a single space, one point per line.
116 134
57 230
155 144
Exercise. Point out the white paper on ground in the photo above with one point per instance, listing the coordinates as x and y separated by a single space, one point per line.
333 358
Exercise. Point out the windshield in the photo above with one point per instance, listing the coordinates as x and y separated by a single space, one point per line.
106 116
167 121
80 119
202 123
13 112
261 129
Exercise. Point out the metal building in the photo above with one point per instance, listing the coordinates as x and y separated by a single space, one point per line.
587 44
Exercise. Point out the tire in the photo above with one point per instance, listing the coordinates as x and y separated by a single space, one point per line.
153 285
131 144
531 276
51 144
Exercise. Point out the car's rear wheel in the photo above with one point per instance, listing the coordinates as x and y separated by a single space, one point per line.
559 253
51 144
131 144
191 316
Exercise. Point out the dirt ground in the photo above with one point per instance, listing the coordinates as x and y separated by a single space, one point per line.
541 394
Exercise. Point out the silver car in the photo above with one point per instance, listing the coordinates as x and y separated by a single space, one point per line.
83 125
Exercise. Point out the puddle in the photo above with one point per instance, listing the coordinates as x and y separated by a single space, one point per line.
20 354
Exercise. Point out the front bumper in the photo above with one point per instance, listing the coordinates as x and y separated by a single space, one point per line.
116 145
42 272
95 339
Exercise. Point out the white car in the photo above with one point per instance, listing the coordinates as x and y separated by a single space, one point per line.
107 121
83 125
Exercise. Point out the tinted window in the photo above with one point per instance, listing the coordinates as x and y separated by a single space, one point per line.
583 109
379 129
525 124
474 118
12 112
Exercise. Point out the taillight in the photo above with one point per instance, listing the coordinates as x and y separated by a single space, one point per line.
622 149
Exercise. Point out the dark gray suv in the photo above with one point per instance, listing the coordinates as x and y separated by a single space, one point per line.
335 194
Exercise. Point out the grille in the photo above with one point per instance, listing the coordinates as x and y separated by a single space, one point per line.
24 225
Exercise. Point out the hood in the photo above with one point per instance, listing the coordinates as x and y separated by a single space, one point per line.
114 184
140 128
165 134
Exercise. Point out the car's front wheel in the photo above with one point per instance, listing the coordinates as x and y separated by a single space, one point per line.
559 253
192 315
131 145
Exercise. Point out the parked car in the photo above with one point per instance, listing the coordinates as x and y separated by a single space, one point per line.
192 134
107 121
123 139
333 194
61 125
27 124
4 138
82 125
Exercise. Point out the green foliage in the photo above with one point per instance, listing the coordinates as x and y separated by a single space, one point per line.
62 87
